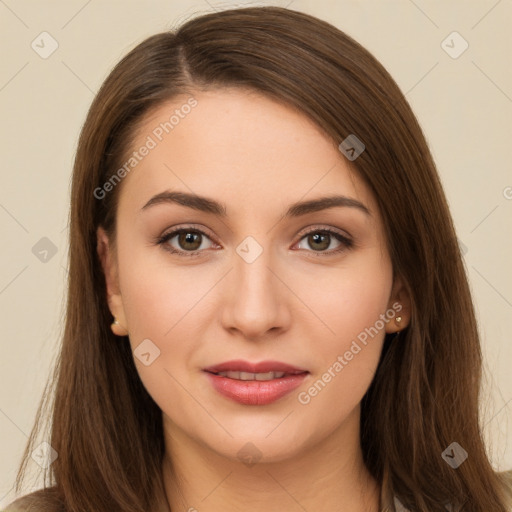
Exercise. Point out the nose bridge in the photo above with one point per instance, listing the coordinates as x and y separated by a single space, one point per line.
256 300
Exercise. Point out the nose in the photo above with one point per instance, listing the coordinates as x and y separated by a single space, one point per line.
255 298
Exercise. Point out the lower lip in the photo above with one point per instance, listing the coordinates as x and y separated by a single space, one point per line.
256 392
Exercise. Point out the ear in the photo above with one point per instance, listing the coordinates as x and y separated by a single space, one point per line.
400 303
108 260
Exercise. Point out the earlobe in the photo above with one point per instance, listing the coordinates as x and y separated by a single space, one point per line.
117 328
400 303
109 266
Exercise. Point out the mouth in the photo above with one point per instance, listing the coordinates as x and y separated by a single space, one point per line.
245 368
247 376
255 383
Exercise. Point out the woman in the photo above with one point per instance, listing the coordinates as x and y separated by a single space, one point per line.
219 351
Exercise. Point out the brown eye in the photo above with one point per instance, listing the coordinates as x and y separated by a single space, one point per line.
319 241
188 241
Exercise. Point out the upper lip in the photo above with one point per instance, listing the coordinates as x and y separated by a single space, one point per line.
261 367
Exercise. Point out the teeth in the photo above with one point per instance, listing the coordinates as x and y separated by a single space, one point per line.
252 376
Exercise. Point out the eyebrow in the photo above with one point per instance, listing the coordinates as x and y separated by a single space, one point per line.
207 205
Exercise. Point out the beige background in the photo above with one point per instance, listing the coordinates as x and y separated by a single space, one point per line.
464 105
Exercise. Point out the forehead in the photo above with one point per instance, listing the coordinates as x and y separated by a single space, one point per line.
239 146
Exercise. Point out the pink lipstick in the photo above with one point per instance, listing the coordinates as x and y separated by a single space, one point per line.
255 383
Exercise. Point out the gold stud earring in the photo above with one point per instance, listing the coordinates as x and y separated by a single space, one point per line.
398 320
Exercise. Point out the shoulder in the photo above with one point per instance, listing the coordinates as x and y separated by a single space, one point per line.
43 500
22 504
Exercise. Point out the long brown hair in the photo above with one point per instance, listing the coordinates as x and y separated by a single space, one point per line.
107 430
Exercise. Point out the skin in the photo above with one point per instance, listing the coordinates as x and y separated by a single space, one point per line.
294 304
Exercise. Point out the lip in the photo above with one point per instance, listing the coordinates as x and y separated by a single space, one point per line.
255 392
240 365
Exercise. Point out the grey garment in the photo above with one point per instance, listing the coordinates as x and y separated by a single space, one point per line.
398 505
400 508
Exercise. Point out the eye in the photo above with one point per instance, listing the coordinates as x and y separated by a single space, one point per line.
189 240
320 240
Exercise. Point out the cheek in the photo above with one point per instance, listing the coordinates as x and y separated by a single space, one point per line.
160 297
350 304
165 304
349 299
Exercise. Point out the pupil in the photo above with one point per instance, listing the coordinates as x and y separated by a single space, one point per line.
188 238
317 238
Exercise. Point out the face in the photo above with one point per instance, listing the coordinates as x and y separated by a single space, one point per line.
244 278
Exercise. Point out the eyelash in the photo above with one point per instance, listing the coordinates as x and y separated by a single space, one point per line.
346 243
